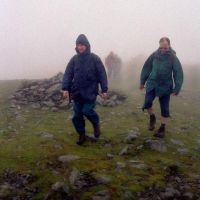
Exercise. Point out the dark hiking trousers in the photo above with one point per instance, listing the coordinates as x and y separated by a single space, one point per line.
82 109
164 102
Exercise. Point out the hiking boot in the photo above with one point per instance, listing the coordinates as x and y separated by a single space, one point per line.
82 139
152 122
160 133
97 131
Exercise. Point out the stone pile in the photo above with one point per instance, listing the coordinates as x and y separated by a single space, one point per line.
47 93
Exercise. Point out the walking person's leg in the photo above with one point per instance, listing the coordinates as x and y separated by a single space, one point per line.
148 105
92 116
79 122
164 106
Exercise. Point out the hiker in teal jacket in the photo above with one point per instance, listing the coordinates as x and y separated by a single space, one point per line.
163 75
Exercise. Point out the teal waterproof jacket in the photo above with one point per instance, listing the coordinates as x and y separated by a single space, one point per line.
162 72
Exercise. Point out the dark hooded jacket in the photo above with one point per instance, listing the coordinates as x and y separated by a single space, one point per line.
84 73
162 72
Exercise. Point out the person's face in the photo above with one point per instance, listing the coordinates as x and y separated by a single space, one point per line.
81 48
164 46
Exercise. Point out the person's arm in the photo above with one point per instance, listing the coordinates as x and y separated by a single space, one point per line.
146 70
102 75
177 75
68 76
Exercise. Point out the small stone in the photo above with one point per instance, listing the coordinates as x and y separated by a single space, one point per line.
35 105
54 109
49 103
188 195
132 135
183 151
47 135
120 165
156 145
68 158
177 142
73 176
125 150
103 179
110 156
102 195
138 164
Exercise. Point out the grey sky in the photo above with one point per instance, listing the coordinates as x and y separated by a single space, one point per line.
37 36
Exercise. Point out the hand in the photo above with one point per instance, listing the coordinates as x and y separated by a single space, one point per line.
174 94
104 95
66 94
141 87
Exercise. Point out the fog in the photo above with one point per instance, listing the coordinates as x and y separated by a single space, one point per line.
37 38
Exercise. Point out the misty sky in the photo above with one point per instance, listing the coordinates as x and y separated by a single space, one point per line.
37 37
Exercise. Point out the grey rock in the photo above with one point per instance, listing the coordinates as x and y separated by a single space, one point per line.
103 179
138 164
54 109
47 135
64 104
35 105
47 92
110 156
73 176
102 195
49 103
132 135
188 195
68 158
170 193
157 145
124 151
60 187
120 165
177 142
5 190
183 151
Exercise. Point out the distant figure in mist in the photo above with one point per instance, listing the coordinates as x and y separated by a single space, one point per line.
113 64
83 74
163 75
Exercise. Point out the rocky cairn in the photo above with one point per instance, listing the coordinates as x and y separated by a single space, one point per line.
47 93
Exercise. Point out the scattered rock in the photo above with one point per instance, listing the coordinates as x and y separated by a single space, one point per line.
124 151
60 187
81 179
132 135
110 156
114 99
177 142
120 165
138 164
47 135
103 179
17 185
68 158
102 195
183 151
157 145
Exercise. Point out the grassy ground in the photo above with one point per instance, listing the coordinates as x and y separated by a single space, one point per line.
23 149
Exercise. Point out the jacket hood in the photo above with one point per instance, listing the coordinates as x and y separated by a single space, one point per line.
169 52
82 39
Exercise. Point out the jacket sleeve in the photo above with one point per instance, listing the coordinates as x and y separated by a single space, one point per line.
146 70
68 76
177 75
102 76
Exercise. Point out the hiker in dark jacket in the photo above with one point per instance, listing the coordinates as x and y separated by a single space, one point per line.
83 74
163 75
